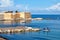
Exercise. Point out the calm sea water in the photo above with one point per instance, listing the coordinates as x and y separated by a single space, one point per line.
53 17
53 25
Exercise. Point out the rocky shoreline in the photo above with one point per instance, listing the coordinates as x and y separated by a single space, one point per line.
18 29
3 38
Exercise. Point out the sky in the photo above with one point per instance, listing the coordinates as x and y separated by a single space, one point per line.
33 6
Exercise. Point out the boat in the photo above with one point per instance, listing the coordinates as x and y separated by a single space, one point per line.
46 29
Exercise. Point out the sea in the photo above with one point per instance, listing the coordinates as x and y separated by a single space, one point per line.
50 21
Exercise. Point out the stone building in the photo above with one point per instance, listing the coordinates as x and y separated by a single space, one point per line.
18 16
8 16
1 16
25 16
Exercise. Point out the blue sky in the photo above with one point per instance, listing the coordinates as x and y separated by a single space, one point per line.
37 3
33 6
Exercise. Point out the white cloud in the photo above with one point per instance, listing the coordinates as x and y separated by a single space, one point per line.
9 5
54 7
6 3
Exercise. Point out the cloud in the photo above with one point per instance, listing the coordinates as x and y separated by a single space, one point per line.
54 9
6 3
9 5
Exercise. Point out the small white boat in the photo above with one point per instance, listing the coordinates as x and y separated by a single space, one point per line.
46 30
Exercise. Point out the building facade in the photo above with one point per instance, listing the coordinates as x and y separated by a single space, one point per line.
25 16
19 16
1 16
8 16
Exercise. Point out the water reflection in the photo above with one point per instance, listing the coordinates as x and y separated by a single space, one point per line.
7 22
47 33
53 34
12 23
